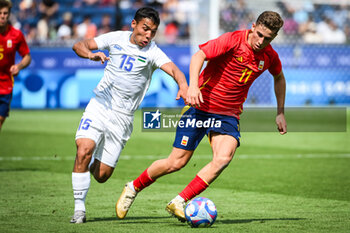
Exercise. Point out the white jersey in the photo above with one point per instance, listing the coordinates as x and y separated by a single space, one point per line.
128 73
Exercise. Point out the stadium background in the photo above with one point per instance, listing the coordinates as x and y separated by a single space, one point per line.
298 182
313 46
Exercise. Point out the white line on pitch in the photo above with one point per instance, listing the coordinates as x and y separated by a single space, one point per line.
153 157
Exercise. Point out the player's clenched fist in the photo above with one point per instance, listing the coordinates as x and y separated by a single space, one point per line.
14 70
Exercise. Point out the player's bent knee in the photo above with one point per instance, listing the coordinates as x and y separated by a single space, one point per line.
178 159
223 162
84 152
85 147
176 165
101 179
82 159
102 172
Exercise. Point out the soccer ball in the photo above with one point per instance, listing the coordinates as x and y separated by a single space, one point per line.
200 212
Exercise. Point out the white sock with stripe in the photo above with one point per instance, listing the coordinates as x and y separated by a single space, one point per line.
81 185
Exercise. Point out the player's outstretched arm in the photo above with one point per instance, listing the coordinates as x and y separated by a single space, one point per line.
171 69
194 95
280 92
84 49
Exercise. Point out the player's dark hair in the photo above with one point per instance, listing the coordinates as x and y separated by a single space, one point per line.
270 19
147 12
6 3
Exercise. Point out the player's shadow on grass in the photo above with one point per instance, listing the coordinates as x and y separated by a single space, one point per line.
261 220
140 219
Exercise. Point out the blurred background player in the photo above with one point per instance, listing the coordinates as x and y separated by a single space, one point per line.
236 59
107 122
11 41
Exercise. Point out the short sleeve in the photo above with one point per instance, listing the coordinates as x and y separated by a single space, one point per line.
159 57
103 41
276 65
219 46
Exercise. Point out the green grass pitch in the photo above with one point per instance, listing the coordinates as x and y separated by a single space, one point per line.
299 182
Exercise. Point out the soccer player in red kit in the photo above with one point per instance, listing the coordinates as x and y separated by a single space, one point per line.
11 40
235 60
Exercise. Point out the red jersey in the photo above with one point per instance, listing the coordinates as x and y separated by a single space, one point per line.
231 69
11 40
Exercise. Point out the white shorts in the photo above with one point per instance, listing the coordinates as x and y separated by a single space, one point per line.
109 129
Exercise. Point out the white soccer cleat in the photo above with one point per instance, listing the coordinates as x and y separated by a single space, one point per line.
176 208
78 217
125 201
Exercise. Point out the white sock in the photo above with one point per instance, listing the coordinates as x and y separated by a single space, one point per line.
81 185
178 197
131 186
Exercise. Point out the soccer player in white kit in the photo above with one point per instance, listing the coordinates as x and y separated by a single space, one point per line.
107 122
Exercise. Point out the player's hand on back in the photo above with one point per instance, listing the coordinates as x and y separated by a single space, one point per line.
98 56
194 96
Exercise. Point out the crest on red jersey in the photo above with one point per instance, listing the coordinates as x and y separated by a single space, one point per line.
9 43
261 65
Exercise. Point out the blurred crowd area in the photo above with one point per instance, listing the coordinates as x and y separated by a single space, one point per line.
53 23
307 22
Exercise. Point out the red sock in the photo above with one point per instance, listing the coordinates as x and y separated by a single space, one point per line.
142 181
195 187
